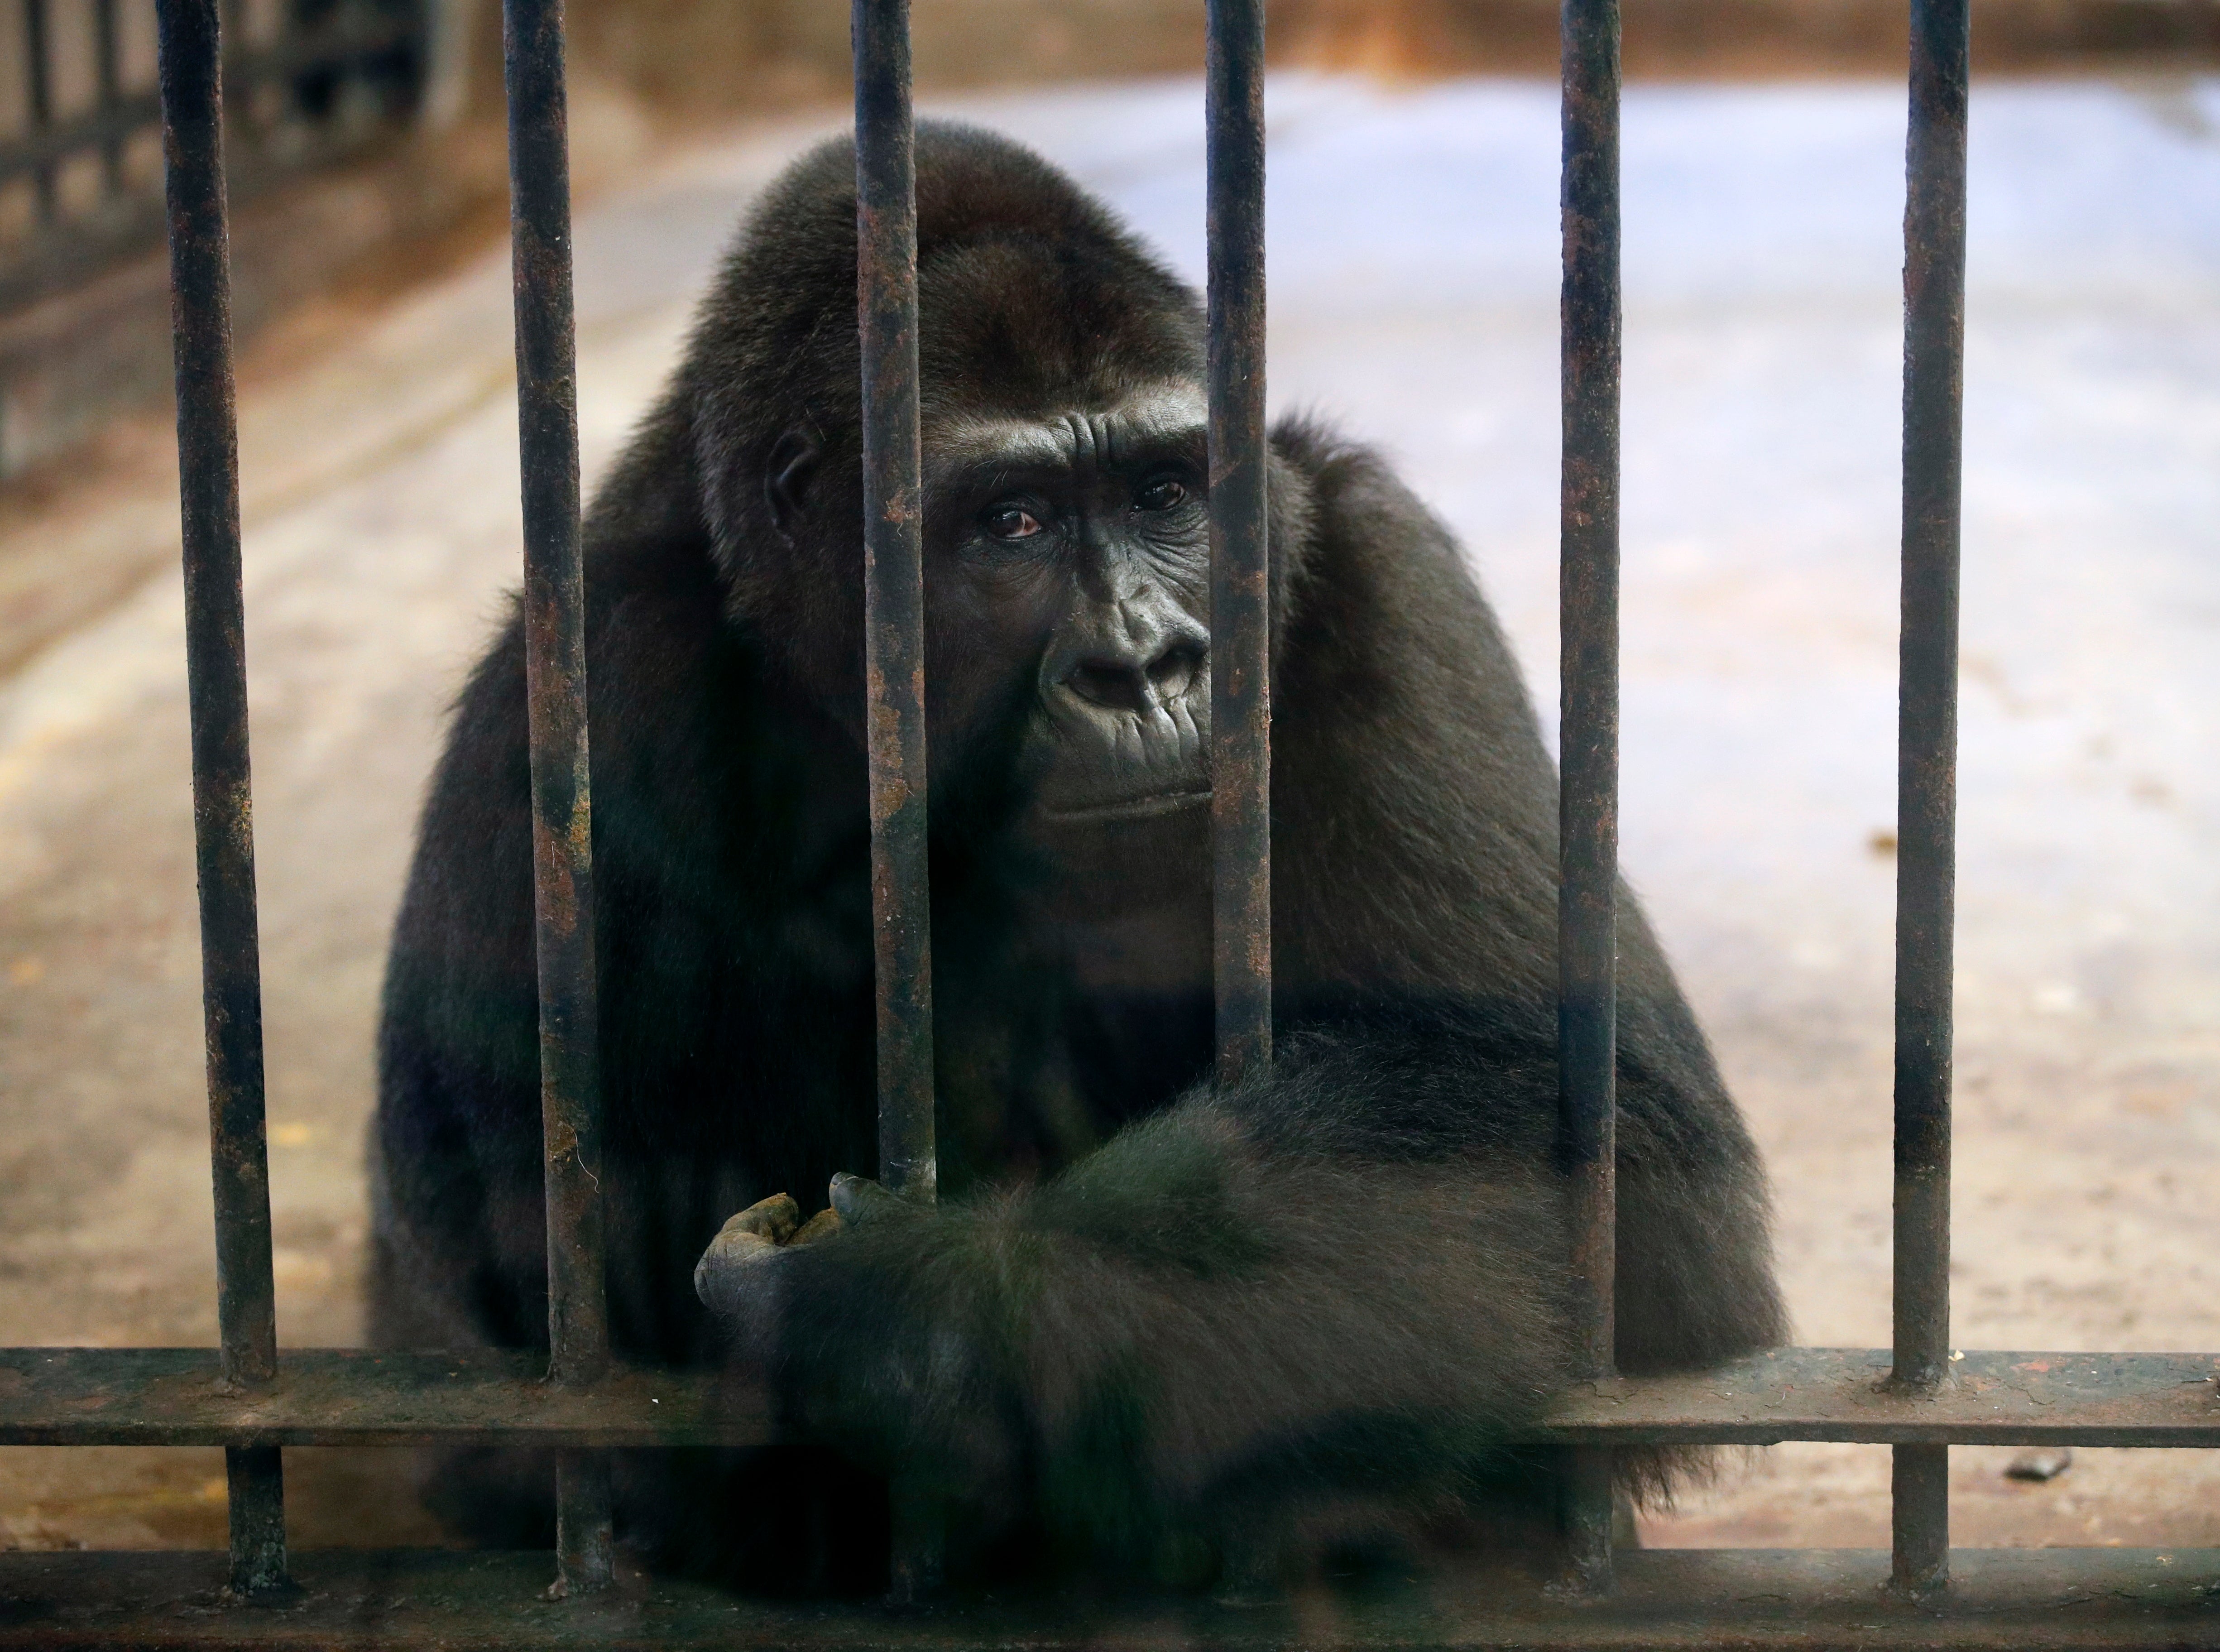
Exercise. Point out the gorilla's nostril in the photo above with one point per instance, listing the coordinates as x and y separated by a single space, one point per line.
1174 671
1125 685
1109 683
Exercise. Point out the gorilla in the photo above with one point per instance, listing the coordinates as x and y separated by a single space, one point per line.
1156 1328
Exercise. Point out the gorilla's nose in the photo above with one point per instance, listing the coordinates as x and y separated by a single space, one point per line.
1133 682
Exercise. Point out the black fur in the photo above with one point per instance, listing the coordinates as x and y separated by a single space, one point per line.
1151 1324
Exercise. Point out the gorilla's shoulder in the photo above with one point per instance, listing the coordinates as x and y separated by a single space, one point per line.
655 644
1368 543
655 600
1351 489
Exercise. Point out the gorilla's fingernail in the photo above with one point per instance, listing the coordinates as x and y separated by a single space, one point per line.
859 1199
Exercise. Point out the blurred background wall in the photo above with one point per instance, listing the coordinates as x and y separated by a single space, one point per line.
366 133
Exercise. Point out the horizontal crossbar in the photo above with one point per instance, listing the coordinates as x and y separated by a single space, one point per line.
2018 1599
308 52
171 1396
1842 1393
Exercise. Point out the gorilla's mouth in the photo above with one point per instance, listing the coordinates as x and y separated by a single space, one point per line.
1146 806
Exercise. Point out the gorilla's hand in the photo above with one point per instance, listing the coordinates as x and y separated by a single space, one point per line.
874 1333
1181 1334
732 1274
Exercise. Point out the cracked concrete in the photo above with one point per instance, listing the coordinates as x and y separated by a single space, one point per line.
1413 264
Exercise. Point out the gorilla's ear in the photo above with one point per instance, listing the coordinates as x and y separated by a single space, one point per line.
786 475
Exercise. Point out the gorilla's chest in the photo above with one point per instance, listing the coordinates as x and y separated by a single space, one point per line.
1046 1048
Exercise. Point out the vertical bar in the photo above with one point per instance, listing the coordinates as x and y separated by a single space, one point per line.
254 1477
1588 919
562 816
1927 757
223 833
38 91
107 78
894 659
1240 567
585 1528
894 591
1919 1519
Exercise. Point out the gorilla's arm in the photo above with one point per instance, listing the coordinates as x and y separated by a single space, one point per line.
1415 875
1336 1288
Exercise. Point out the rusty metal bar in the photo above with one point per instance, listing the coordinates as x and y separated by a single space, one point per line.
1927 759
1919 1519
329 1396
894 661
1994 1397
1588 919
562 814
223 829
894 591
38 92
1240 554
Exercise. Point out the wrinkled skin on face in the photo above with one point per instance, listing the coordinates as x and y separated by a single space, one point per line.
1079 544
1068 591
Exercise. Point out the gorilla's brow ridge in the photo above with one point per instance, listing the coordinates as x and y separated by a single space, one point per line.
1163 421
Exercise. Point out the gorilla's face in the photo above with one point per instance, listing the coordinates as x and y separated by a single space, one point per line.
1066 528
1068 588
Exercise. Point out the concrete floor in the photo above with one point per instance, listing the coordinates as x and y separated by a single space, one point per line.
1413 289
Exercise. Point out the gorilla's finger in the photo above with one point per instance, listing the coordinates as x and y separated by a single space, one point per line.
858 1200
721 1277
823 1226
742 1281
775 1218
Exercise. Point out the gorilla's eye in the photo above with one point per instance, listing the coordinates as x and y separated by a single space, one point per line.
1163 494
1010 522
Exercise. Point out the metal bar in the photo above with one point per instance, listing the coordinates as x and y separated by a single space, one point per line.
1994 1397
2008 1600
38 91
107 53
893 592
223 829
1919 1519
171 1396
562 814
1240 553
133 112
893 662
1927 758
254 1484
585 1526
38 149
1587 917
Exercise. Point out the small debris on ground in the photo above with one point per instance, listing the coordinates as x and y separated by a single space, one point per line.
2044 1462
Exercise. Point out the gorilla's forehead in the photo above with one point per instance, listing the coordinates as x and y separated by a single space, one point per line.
1149 420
